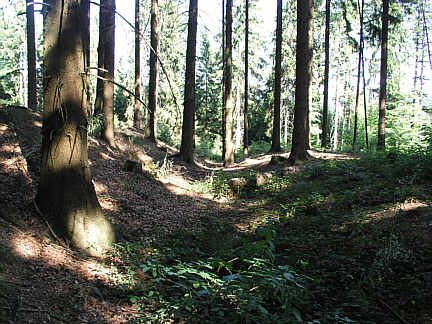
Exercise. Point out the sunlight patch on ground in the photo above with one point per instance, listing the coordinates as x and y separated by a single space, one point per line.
26 246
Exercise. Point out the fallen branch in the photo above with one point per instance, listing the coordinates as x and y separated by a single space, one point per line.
392 311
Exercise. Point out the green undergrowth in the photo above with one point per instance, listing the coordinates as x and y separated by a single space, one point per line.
334 245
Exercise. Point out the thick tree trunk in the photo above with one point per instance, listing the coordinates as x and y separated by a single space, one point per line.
228 98
85 12
300 139
383 78
276 148
187 148
326 77
108 91
154 43
137 114
65 193
31 57
246 87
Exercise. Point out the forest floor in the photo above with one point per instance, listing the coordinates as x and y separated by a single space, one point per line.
338 239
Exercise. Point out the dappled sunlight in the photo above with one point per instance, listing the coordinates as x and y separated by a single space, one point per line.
26 246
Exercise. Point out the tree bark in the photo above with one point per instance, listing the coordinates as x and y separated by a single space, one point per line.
276 147
65 193
326 77
31 57
108 92
228 98
137 117
300 139
383 77
223 79
246 87
154 43
187 148
98 105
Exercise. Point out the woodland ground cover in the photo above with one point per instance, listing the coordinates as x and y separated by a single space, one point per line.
334 241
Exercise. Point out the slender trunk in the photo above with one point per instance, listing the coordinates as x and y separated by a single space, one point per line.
223 80
359 63
98 105
187 147
364 81
275 148
228 98
286 119
304 51
326 77
66 194
246 87
108 90
137 114
154 43
31 57
237 119
383 78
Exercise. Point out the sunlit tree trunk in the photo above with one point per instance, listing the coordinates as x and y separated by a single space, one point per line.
383 77
137 114
187 148
275 148
154 43
98 105
223 79
246 87
66 195
326 77
304 51
108 92
31 57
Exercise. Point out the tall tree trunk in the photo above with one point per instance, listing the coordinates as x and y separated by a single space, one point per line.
364 79
137 114
383 78
223 79
246 87
238 120
275 148
359 64
326 77
336 116
154 43
31 57
65 193
98 105
304 51
85 12
108 90
228 97
187 147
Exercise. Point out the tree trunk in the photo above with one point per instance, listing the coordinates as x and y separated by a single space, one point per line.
228 98
359 64
383 78
246 88
98 105
154 43
137 114
300 139
276 148
187 147
326 77
223 79
364 79
108 92
65 193
31 57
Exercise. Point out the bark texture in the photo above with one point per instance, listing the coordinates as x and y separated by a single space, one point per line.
137 118
65 193
109 7
187 148
300 139
383 77
324 135
31 57
228 97
154 43
276 132
246 87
